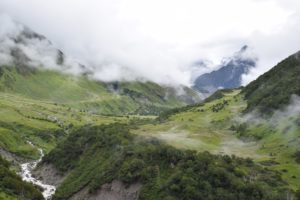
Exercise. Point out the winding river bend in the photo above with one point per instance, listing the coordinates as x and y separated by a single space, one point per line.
26 174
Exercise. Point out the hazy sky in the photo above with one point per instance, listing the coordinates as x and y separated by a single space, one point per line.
160 39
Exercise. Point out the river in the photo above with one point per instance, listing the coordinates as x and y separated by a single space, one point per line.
26 174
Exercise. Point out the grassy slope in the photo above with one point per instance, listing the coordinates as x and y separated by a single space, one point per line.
279 134
280 140
82 93
276 138
41 122
41 106
199 128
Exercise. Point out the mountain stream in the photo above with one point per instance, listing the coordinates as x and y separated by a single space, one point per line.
26 174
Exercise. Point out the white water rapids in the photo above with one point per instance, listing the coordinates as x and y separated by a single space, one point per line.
26 169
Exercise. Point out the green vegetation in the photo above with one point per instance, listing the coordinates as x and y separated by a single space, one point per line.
92 96
297 156
276 136
94 133
42 122
42 106
101 154
12 187
201 128
298 194
218 126
273 89
215 96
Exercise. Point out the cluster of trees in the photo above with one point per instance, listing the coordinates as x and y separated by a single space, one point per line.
132 93
297 156
12 184
240 129
94 155
219 106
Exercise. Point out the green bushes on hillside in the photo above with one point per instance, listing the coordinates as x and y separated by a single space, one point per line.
101 154
273 89
219 106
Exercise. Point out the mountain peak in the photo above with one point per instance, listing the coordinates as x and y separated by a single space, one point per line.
244 48
229 73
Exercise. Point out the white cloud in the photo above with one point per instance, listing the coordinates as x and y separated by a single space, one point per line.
159 40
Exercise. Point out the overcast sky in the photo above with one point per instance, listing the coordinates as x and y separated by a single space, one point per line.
160 39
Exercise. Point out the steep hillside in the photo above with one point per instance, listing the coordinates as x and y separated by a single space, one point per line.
93 96
274 89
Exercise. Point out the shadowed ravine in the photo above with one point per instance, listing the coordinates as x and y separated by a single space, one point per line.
26 174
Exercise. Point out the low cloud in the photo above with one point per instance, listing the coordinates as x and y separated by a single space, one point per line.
20 46
284 120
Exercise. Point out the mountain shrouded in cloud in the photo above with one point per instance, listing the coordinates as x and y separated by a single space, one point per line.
32 66
21 46
124 40
229 74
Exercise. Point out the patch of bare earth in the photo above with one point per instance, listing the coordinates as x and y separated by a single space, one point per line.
111 191
49 174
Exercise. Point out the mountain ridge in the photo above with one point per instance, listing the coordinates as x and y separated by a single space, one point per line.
83 93
273 89
35 68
